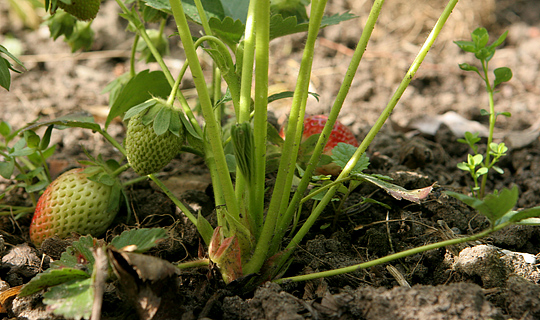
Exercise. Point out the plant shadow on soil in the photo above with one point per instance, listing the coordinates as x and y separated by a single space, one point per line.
490 279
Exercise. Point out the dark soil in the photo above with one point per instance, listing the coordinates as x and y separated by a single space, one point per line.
495 278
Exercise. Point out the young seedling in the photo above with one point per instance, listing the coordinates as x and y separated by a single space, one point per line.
478 165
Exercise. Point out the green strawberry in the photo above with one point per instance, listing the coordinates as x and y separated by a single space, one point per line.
81 9
73 203
149 148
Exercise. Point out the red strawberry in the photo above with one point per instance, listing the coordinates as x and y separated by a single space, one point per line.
340 133
73 203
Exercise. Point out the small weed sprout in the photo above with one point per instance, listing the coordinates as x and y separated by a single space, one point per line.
478 164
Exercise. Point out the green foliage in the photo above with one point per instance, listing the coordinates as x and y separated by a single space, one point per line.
138 90
477 164
6 67
70 281
497 207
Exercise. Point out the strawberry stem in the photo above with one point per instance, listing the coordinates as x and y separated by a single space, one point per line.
393 257
193 264
216 153
118 171
174 199
336 108
290 148
376 127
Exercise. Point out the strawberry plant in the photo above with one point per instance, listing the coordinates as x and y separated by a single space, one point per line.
248 240
478 165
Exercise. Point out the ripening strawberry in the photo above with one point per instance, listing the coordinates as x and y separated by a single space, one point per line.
81 9
147 151
73 203
340 133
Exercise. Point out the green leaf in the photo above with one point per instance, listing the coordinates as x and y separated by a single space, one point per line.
484 112
481 171
212 8
142 239
493 206
175 126
162 121
44 144
484 54
61 24
32 139
227 29
5 129
505 113
205 228
468 67
499 41
72 299
115 87
280 26
503 74
5 76
78 255
464 166
7 53
288 94
139 89
236 9
51 278
37 186
151 114
135 110
7 167
242 139
475 160
22 152
77 120
162 5
498 170
82 37
342 153
480 37
467 46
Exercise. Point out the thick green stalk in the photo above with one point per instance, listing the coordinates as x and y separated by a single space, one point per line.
260 117
392 257
377 126
336 108
213 128
247 56
287 163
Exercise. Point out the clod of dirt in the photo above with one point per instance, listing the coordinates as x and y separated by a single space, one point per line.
270 302
22 261
522 298
31 308
449 302
484 263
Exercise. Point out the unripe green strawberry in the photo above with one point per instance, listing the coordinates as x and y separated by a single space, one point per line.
81 9
73 203
148 152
